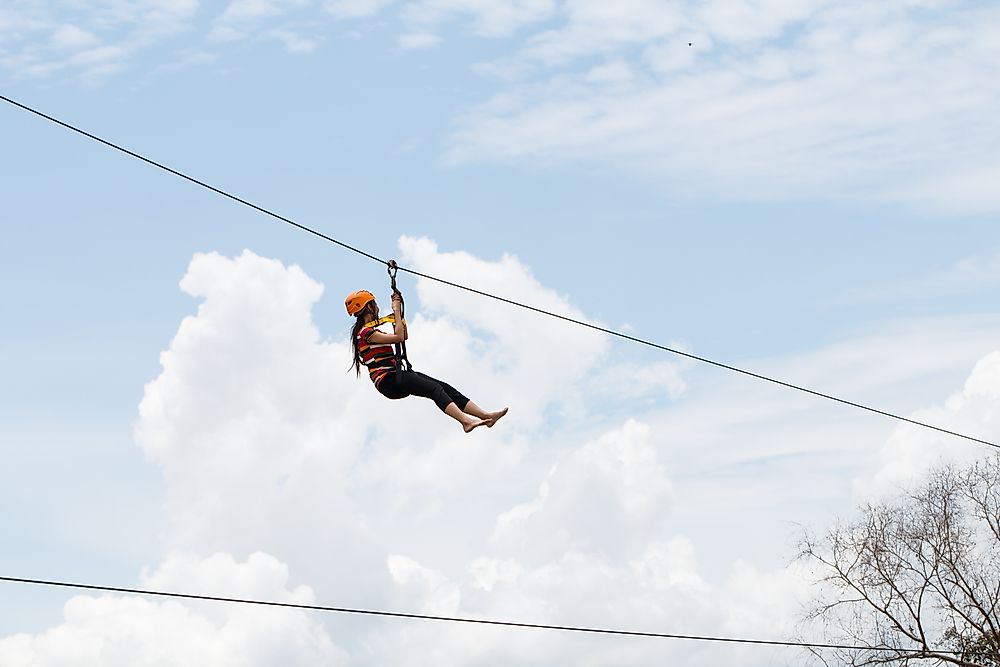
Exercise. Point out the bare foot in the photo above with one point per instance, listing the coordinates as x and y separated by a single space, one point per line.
495 417
476 424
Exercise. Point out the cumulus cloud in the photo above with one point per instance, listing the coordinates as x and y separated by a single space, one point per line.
750 462
911 450
595 544
556 556
254 424
255 421
113 630
503 341
666 517
603 493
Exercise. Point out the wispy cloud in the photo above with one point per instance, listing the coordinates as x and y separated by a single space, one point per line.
101 39
735 99
486 18
355 9
972 273
760 100
414 41
277 20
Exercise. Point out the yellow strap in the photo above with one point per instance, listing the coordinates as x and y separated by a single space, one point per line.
388 318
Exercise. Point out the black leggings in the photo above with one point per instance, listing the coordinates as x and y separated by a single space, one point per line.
412 383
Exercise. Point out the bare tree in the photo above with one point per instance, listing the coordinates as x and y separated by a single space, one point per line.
916 580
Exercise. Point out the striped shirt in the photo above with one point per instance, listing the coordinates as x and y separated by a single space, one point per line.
380 359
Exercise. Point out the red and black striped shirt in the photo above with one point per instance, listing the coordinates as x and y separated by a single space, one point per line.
380 359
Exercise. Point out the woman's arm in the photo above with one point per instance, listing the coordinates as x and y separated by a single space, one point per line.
379 338
399 333
398 326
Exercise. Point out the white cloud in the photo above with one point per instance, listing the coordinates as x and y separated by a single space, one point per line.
418 40
254 423
555 558
156 19
912 450
968 274
767 603
103 39
967 189
602 28
112 630
489 18
97 57
670 516
241 11
617 71
750 461
508 343
732 99
251 405
269 19
671 564
354 9
254 418
294 42
71 37
655 381
422 20
225 33
593 545
597 497
771 100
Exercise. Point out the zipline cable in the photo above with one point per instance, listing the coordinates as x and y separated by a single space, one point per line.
192 179
475 621
541 311
705 360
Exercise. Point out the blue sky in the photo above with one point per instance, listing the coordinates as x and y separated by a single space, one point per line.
808 189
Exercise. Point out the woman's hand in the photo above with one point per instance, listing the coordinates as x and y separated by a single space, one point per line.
398 327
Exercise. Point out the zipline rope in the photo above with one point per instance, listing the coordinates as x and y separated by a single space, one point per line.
915 652
541 311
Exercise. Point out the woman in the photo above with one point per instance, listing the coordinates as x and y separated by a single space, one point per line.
372 348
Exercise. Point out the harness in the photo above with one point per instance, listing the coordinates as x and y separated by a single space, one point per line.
382 320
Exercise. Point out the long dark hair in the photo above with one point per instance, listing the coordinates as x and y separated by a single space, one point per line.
362 317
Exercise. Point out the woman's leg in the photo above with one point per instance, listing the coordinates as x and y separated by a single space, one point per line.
447 400
467 406
468 422
490 418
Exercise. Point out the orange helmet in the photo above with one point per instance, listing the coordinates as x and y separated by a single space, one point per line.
355 301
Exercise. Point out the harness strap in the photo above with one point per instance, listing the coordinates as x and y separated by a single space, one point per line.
400 347
384 320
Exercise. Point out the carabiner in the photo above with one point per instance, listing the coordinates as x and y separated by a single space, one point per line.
391 270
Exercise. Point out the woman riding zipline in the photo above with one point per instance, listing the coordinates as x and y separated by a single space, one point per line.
373 348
